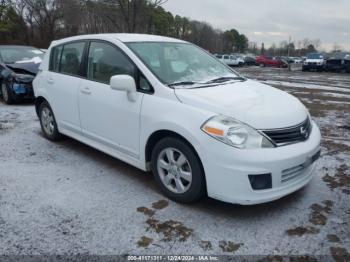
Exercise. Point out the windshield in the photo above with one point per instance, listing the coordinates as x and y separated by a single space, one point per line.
315 56
177 63
18 54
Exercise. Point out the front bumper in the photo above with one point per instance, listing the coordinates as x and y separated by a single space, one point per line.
22 90
227 170
313 66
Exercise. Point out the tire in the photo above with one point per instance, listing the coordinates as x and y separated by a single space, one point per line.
48 122
7 95
262 65
167 172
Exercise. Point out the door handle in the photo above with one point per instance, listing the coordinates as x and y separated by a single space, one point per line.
86 91
50 81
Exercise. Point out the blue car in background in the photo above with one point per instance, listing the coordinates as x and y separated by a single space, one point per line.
18 68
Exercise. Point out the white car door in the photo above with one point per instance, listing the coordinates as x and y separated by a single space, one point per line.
63 82
107 116
226 59
234 60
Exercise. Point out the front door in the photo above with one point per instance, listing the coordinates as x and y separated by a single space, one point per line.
107 116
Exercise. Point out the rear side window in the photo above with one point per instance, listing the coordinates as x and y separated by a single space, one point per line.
71 58
55 58
106 61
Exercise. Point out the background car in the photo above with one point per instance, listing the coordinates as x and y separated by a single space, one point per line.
271 61
250 61
297 60
314 61
338 63
231 60
18 67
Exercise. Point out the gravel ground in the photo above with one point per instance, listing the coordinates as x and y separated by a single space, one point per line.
67 198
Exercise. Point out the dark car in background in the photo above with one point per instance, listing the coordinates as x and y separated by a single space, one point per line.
18 68
250 61
338 63
271 61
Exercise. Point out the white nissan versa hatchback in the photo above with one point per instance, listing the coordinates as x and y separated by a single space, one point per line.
166 105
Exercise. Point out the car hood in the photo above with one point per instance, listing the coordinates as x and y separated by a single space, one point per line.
259 105
25 67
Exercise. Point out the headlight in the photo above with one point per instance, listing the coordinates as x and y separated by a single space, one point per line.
235 133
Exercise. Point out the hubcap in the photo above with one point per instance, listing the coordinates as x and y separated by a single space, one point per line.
174 170
47 121
5 94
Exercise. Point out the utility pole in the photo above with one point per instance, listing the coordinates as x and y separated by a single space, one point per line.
289 42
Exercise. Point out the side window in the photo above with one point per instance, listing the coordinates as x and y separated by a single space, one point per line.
55 58
106 61
71 58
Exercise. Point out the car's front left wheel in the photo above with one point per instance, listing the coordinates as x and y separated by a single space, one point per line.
48 122
7 94
178 170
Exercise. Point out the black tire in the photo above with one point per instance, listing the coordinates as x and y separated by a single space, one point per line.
55 135
197 188
7 95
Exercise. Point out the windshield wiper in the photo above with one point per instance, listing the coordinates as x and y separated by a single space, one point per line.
183 83
224 79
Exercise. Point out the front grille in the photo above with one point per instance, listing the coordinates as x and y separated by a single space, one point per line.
334 62
290 135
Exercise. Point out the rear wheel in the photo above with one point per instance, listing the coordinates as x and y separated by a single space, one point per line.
48 122
7 94
178 170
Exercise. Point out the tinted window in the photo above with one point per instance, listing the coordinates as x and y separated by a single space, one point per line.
55 58
106 61
71 58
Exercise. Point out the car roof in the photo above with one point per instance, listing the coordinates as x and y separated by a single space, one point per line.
122 37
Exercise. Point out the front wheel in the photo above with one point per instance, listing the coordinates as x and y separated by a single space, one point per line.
7 94
178 171
48 122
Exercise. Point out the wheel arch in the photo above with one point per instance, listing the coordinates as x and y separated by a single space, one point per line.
160 134
38 101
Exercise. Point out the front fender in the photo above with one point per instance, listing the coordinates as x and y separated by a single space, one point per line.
159 113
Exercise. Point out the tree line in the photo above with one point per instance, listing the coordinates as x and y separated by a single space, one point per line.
287 48
38 22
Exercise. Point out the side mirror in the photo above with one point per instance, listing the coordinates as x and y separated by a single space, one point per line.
124 83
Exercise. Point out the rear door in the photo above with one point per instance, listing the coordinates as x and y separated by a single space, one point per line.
63 80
